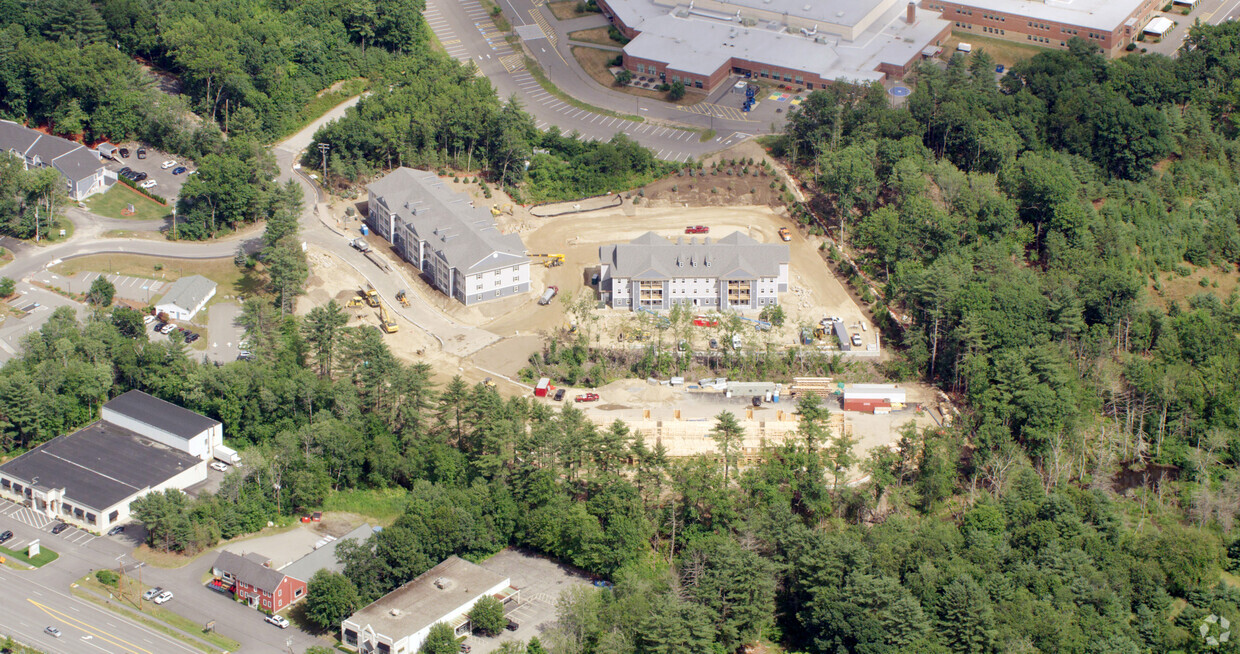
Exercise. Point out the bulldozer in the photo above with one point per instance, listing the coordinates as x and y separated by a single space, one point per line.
355 302
550 260
402 298
387 321
372 296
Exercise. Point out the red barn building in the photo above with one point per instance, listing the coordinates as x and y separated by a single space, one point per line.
873 398
250 578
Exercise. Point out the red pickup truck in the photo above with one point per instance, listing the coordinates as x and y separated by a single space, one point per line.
588 397
697 229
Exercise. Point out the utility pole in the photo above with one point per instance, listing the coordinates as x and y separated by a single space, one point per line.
323 148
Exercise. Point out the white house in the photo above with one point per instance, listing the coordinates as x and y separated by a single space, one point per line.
187 297
399 622
81 167
456 245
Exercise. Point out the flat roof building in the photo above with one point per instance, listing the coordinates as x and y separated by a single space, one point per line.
81 167
399 622
456 245
734 272
701 43
186 298
165 422
1110 24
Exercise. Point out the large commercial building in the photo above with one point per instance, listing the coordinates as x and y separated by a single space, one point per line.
701 43
399 622
1111 24
457 246
735 272
140 445
81 167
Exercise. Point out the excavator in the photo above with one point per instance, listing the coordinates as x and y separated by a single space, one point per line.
402 298
387 321
496 210
372 296
550 260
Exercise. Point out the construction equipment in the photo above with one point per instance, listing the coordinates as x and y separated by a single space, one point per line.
372 296
355 302
488 383
360 245
663 321
496 210
402 298
388 322
760 325
549 260
820 333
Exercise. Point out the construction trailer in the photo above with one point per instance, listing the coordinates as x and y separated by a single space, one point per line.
841 332
543 386
874 398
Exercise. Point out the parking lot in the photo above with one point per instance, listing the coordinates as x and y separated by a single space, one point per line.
135 289
167 185
540 580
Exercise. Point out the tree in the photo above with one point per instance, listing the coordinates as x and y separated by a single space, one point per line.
330 597
128 322
101 292
729 438
7 287
624 77
676 91
287 271
966 617
322 328
440 640
487 616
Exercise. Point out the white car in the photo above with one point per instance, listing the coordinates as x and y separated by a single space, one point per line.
278 620
148 319
164 597
167 164
167 329
217 465
150 183
856 340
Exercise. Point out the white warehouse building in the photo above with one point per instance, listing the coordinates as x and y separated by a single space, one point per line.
399 622
736 272
90 477
186 298
457 246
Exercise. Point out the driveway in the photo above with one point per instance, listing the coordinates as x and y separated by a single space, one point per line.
224 333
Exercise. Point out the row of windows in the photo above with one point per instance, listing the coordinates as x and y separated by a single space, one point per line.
1040 26
967 26
994 30
1040 39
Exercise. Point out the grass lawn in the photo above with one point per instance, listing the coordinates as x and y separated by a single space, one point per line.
598 35
1003 52
117 198
1179 289
45 556
325 100
231 279
173 624
567 9
379 505
596 61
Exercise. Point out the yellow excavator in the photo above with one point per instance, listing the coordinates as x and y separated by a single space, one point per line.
550 260
372 296
388 322
496 210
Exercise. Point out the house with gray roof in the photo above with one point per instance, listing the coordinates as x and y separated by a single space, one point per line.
81 166
735 272
187 297
251 579
456 246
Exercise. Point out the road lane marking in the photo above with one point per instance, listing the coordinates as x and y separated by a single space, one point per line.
70 620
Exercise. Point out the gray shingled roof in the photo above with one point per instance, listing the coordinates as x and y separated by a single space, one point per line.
249 571
734 256
99 465
16 137
167 416
74 160
188 292
466 236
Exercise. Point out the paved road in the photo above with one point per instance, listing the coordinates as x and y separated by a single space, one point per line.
1213 12
224 332
467 33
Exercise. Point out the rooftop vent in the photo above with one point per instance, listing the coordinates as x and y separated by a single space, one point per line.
441 583
395 613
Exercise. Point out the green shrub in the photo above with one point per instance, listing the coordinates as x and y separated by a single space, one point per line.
107 578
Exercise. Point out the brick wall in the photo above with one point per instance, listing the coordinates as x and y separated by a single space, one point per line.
1050 34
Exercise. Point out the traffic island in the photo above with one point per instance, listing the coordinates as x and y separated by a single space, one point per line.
42 558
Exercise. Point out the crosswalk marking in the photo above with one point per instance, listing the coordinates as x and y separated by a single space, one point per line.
716 110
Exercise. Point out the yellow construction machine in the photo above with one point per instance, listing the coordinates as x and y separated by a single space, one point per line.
402 298
550 260
355 302
388 322
372 296
496 210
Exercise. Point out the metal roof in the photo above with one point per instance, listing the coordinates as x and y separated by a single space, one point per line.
324 558
249 571
157 413
99 465
188 292
735 256
466 236
427 599
1106 15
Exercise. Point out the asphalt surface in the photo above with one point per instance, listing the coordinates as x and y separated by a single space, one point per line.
1212 12
224 333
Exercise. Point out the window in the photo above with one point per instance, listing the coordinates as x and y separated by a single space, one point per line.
5 483
298 592
350 637
698 83
675 78
91 518
66 509
113 516
17 488
496 293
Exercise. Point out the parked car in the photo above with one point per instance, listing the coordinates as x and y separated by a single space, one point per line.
278 620
757 400
466 648
244 355
191 337
148 319
6 536
587 397
125 152
52 631
856 340
559 395
124 170
512 625
152 593
714 343
139 177
60 526
218 466
167 329
179 170
117 530
150 183
697 229
141 153
164 597
167 164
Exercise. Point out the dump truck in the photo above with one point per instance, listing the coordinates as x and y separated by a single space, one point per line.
372 296
360 245
355 302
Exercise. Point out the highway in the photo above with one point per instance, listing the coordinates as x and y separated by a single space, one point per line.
29 606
